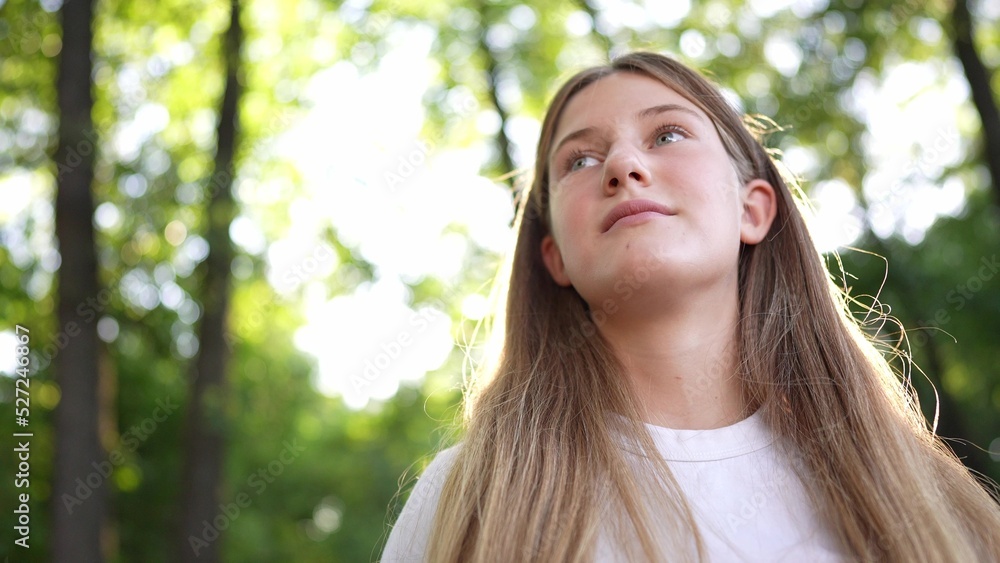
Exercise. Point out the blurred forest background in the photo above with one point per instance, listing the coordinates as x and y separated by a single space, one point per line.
251 239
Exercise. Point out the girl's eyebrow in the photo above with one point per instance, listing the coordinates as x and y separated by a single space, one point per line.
656 110
643 114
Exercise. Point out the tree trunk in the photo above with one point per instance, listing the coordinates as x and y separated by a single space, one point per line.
78 505
979 78
505 158
205 421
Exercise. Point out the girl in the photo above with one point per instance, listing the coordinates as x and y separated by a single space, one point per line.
679 378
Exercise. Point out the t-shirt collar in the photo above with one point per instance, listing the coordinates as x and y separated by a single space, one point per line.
743 437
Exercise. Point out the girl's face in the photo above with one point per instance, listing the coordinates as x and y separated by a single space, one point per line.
641 188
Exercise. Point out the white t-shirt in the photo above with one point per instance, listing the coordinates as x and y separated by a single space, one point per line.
748 503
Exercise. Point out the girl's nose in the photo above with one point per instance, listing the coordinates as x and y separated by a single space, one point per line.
623 167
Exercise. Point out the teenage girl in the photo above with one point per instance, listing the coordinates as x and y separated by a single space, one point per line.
680 380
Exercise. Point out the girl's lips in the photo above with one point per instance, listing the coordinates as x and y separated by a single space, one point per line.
633 207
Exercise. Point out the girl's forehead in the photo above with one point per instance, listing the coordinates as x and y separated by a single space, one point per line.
621 98
621 95
622 91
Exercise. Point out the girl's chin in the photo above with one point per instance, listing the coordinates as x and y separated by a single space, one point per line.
630 277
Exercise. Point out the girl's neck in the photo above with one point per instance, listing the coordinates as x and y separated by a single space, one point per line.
682 363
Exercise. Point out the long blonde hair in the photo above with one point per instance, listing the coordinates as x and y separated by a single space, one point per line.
542 465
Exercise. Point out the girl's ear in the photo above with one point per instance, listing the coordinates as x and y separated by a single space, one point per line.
759 208
554 262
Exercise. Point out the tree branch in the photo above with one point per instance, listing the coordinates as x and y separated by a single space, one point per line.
979 78
503 144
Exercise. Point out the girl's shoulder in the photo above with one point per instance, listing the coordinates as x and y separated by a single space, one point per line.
409 536
431 481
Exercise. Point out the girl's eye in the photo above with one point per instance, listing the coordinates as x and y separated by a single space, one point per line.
578 162
667 136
